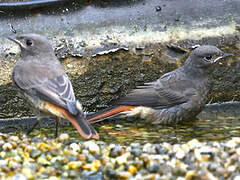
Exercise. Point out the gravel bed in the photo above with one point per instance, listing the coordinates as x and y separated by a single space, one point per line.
24 157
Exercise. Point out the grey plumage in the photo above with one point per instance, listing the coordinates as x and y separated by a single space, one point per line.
177 95
41 79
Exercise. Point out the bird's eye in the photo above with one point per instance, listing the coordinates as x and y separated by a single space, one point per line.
208 57
29 42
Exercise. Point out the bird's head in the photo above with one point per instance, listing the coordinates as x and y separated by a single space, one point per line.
32 44
205 57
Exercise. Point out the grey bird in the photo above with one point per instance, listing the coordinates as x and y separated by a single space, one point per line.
176 96
41 79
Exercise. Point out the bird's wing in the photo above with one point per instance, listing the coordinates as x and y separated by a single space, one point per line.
49 83
171 89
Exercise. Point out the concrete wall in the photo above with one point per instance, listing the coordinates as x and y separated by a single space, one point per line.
109 47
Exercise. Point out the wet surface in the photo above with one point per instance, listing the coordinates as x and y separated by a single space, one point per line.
210 126
213 124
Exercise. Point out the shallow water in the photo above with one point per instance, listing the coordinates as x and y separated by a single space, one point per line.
211 125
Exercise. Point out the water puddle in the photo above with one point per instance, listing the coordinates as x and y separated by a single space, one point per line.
214 124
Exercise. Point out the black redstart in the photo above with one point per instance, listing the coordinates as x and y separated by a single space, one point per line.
177 95
42 80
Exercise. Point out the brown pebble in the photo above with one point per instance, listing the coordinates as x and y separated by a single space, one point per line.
81 157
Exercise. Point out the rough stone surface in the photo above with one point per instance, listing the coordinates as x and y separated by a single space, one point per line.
106 56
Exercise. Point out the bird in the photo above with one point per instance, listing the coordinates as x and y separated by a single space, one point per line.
42 81
176 96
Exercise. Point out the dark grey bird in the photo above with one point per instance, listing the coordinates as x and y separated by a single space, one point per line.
178 95
42 80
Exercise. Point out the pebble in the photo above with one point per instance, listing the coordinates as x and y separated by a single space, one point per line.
14 138
43 161
75 147
7 146
81 157
116 151
28 173
160 149
190 174
92 147
75 165
95 165
136 152
132 169
90 158
35 153
148 148
53 178
194 143
3 163
123 158
64 137
111 173
237 177
180 154
124 175
154 167
91 175
43 147
19 177
236 140
135 145
14 165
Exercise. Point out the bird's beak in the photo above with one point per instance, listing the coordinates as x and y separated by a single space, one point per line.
223 56
227 54
14 39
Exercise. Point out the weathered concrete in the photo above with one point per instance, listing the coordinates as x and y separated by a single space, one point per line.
110 47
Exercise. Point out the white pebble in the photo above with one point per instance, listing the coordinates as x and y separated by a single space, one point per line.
237 177
63 137
180 154
123 158
7 146
75 147
14 138
194 143
92 147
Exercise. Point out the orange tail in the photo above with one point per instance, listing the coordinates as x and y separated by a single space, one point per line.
110 113
82 125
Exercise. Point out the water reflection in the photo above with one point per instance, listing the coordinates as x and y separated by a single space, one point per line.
218 123
214 123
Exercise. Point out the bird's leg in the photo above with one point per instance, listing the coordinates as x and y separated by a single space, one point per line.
33 127
57 122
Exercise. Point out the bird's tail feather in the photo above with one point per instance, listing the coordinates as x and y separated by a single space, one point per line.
78 121
81 124
108 113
